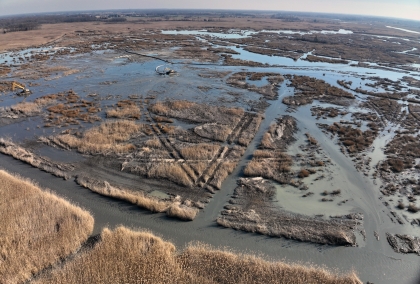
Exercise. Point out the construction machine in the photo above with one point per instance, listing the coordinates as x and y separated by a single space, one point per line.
23 91
164 70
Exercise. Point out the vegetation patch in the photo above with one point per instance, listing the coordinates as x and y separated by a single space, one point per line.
38 229
125 256
124 109
199 113
107 138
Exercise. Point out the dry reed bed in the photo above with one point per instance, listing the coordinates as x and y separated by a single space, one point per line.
221 266
24 109
172 208
124 109
109 137
195 112
38 229
171 171
249 132
122 256
214 131
58 169
125 256
225 169
273 165
201 151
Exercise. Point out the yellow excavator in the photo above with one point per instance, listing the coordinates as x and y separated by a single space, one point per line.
23 91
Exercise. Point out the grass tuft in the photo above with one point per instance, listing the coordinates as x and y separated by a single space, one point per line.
105 138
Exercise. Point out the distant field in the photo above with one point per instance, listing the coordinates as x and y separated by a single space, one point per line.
38 229
50 32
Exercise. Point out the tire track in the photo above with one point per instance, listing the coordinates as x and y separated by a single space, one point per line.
173 152
216 159
235 130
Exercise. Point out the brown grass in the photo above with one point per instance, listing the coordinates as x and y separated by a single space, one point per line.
60 170
46 100
268 164
182 212
135 197
199 166
37 229
311 139
202 113
224 170
179 105
125 111
267 141
214 131
171 171
202 151
56 108
162 119
103 139
153 143
168 129
159 108
26 108
303 173
228 267
172 208
261 154
125 256
248 134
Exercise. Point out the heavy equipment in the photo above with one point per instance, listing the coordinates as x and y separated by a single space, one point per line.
164 70
23 91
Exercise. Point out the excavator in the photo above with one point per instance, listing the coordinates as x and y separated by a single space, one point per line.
23 91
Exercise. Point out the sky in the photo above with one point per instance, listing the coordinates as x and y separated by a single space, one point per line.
409 9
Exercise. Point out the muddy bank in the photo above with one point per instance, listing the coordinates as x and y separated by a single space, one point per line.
58 169
250 210
245 80
404 243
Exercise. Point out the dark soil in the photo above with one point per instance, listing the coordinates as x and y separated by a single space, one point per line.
251 210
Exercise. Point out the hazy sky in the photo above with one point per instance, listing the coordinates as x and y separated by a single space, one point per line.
392 8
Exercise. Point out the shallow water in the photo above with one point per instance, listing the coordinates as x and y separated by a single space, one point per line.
231 35
340 31
404 30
